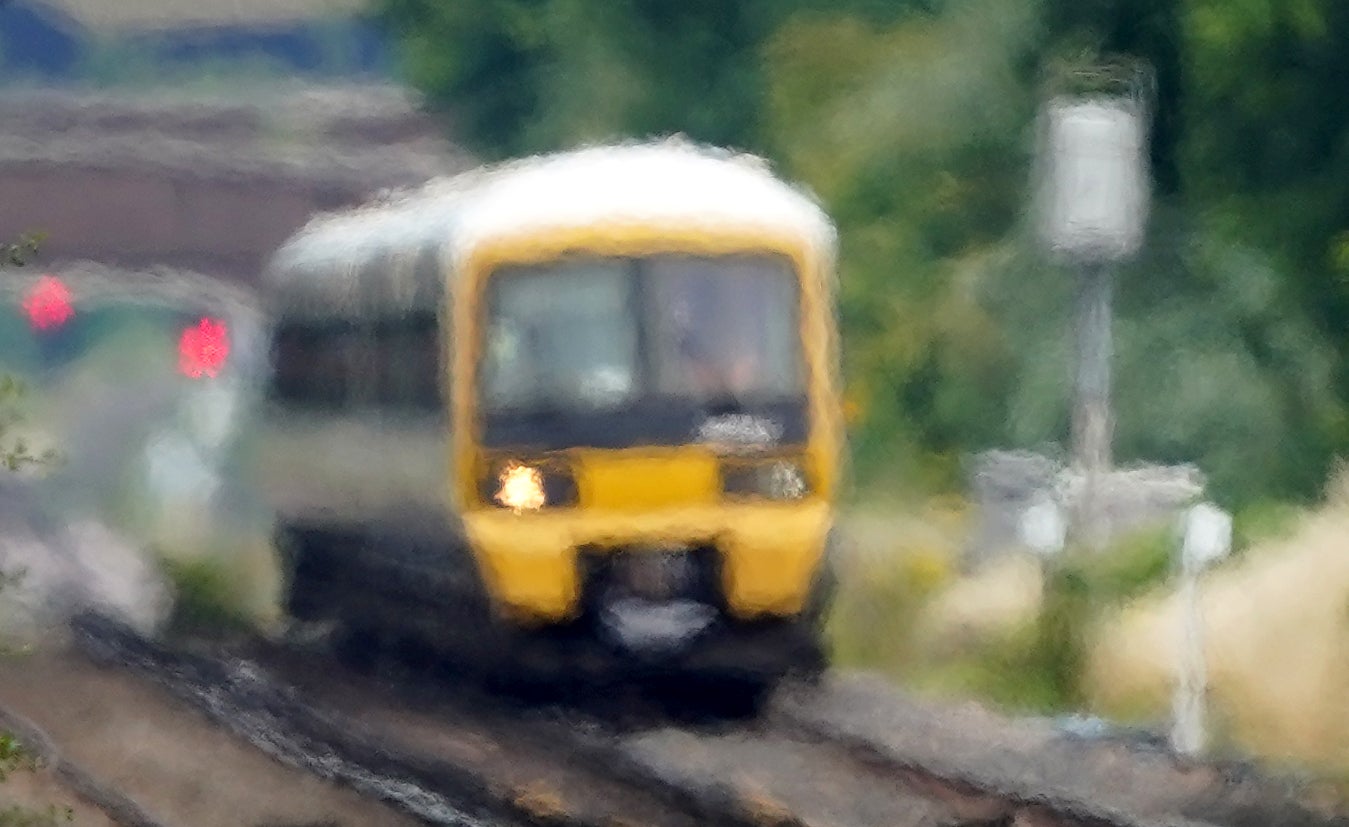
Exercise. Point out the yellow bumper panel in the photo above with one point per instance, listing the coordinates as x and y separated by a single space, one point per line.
769 552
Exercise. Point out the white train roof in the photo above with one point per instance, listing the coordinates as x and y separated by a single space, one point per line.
670 181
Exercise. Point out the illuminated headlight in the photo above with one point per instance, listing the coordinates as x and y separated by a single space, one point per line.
524 487
520 488
778 479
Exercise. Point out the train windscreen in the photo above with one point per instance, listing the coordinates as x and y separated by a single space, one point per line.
642 348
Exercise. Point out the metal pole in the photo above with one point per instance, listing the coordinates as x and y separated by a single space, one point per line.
1187 734
1093 423
1208 538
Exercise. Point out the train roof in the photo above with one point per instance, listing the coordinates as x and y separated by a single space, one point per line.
666 181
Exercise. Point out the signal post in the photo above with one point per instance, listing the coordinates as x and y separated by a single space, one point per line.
1093 202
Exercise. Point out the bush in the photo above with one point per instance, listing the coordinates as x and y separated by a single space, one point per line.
878 606
1264 520
893 615
206 599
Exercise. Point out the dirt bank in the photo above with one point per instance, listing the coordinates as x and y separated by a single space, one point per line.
167 758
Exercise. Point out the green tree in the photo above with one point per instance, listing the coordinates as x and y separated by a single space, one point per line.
1267 146
914 121
915 135
521 76
959 330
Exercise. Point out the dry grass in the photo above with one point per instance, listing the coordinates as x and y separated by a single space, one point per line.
1001 596
893 562
1277 639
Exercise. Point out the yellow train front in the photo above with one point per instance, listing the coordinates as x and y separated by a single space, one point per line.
635 428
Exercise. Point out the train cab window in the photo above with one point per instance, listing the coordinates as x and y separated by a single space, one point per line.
724 326
562 335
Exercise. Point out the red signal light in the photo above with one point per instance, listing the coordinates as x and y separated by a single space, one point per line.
48 303
203 348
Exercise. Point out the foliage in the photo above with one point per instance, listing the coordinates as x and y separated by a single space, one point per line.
206 597
914 122
17 253
1266 142
1263 521
13 456
899 143
15 757
892 616
526 75
16 816
15 453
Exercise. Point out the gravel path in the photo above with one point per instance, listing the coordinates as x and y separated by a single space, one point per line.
1032 760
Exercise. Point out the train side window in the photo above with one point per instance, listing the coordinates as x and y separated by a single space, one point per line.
312 363
407 352
407 345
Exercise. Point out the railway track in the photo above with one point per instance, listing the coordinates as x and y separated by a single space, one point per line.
842 754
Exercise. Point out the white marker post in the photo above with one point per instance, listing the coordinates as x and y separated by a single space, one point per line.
1043 528
1207 539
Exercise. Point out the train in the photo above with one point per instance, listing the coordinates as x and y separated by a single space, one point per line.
575 414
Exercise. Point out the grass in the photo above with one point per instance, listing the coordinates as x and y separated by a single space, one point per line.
1277 643
890 569
1011 634
206 597
877 607
1092 633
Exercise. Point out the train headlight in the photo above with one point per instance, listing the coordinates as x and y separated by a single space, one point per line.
522 487
778 479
